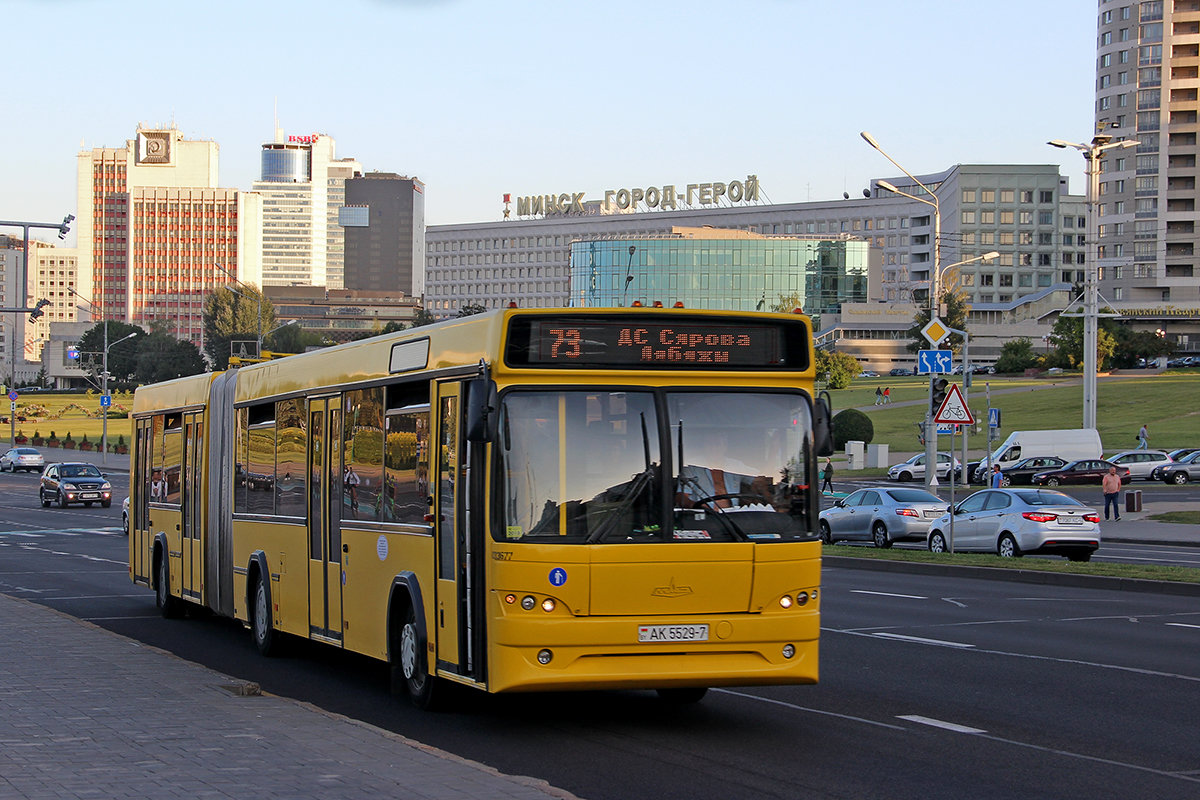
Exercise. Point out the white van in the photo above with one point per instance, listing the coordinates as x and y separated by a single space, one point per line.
1069 444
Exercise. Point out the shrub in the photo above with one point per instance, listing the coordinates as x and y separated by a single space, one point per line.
850 425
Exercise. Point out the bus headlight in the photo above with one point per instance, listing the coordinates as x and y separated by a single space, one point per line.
785 601
802 598
527 602
544 657
789 650
548 605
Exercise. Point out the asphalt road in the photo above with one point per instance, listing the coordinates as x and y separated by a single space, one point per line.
931 687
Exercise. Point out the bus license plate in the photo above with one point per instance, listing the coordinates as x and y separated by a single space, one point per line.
672 633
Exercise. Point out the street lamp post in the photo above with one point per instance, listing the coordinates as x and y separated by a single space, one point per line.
22 284
930 428
104 398
258 299
104 392
1091 290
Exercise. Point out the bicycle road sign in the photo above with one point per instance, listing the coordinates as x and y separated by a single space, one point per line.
954 409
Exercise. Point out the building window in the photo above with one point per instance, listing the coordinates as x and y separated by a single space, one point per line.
968 217
968 196
1006 195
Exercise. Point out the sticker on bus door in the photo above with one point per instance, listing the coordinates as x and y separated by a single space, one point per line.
558 576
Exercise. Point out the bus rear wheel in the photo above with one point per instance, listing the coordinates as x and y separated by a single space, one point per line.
260 622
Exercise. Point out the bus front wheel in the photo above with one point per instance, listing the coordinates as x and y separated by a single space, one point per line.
417 680
168 606
682 696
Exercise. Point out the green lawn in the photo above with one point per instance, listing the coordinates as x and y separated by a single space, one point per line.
77 414
1166 403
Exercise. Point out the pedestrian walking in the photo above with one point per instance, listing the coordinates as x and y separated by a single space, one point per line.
1111 486
997 476
878 396
887 395
827 476
1143 438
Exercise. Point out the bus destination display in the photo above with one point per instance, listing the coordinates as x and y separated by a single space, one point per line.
621 342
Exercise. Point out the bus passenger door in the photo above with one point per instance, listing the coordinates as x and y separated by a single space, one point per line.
458 607
139 505
324 527
191 507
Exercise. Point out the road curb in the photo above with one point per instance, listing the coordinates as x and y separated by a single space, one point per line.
1020 576
1162 542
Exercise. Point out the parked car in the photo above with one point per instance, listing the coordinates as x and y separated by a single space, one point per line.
74 482
1013 522
1181 471
25 458
1086 471
1184 456
882 515
1141 463
1021 473
125 515
914 468
900 372
1180 453
868 373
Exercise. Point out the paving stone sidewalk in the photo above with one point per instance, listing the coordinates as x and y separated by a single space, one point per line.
86 713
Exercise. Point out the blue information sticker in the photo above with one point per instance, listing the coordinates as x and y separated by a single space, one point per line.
558 576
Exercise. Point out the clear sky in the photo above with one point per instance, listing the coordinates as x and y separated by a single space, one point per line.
528 97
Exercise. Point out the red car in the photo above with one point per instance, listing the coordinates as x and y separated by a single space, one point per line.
1087 471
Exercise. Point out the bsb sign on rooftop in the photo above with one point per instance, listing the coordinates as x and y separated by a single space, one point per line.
662 198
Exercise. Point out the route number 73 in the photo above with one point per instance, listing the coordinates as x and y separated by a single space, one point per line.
566 342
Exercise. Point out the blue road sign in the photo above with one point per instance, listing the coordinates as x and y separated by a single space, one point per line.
936 362
993 418
72 352
12 395
945 430
105 400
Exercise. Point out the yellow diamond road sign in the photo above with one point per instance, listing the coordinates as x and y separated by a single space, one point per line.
935 331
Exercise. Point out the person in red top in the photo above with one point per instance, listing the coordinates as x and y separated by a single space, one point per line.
1111 486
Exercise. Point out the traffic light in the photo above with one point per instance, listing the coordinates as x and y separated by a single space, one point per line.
36 311
940 387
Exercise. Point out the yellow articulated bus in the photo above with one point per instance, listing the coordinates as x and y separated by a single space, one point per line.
526 500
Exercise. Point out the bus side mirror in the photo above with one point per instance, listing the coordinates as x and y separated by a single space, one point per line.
823 424
481 405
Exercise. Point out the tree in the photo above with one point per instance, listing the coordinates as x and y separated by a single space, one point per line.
851 425
122 355
1067 339
840 367
955 317
292 339
422 317
162 357
470 310
230 315
1017 355
1132 345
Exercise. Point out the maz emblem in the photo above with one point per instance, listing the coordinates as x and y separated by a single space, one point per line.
671 591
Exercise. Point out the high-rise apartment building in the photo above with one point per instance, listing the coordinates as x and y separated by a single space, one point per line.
1147 84
156 233
384 224
303 186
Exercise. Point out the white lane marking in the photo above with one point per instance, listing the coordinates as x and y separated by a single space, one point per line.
937 723
889 594
1182 625
920 640
955 602
1033 657
795 707
950 726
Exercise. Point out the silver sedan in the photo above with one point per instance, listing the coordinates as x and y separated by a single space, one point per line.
25 458
882 515
1013 522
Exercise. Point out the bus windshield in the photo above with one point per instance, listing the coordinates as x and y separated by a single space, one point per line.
597 467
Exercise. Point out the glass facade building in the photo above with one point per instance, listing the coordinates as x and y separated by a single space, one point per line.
732 270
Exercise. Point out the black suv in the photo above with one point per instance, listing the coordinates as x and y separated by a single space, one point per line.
74 482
